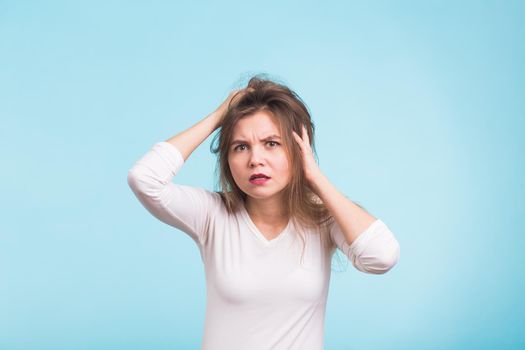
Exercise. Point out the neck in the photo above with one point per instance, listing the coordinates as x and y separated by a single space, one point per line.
266 210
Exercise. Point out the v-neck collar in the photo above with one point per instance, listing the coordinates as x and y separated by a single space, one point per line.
260 237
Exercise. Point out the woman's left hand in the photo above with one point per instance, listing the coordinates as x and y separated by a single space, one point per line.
311 169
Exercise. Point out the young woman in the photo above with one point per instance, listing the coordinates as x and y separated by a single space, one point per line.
267 238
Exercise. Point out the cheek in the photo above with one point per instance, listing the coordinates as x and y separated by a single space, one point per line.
284 163
234 167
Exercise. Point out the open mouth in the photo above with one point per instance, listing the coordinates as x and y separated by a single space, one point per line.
259 179
258 176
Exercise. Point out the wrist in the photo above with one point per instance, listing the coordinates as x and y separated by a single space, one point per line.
216 118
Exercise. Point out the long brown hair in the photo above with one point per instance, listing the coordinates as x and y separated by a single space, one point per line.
287 109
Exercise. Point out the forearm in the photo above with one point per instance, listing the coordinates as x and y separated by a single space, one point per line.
188 140
352 219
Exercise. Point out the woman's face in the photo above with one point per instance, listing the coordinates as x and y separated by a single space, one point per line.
253 150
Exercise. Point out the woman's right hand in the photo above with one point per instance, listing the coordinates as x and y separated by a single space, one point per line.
223 108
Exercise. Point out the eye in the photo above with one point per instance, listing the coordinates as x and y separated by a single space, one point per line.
236 148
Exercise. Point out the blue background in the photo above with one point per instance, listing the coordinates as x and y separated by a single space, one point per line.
419 111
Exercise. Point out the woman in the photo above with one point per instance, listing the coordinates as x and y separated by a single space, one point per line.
266 289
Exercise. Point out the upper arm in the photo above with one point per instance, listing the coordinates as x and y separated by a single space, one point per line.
186 208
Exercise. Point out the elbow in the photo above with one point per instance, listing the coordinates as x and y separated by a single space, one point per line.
139 183
387 261
133 181
144 185
378 252
382 263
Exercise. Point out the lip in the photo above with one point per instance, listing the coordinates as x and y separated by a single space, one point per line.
258 174
259 181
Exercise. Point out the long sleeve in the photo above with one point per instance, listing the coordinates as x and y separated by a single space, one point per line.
375 250
187 208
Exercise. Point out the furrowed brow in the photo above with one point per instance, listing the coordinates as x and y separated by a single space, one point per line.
268 138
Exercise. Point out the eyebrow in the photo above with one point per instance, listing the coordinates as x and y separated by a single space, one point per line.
271 137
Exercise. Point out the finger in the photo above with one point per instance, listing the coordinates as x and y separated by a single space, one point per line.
296 138
305 135
299 141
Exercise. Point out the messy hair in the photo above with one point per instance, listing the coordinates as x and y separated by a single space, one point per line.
285 107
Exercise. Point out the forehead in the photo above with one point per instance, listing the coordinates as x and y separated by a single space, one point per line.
259 123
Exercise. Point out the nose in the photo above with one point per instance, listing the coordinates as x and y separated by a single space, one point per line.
255 158
254 164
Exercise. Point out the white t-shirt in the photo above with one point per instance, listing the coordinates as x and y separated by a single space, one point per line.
260 295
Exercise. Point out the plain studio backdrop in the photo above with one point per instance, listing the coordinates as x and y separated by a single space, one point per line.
419 116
